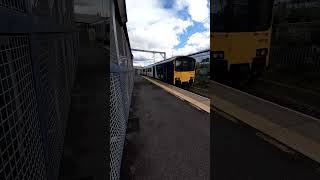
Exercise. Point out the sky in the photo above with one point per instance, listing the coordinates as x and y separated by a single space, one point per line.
177 27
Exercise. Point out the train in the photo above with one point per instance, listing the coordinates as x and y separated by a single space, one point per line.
240 38
178 71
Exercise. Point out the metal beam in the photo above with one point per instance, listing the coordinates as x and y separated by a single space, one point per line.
163 54
141 50
199 52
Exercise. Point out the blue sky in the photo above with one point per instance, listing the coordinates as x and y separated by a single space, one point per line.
197 27
177 27
168 4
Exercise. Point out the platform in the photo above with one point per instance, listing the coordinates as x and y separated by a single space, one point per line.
196 100
173 139
294 129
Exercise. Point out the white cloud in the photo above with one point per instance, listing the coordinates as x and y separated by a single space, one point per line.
198 9
152 27
206 24
197 42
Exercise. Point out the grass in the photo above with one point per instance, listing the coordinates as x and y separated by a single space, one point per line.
201 80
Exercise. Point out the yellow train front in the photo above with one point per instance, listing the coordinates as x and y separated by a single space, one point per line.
178 71
240 37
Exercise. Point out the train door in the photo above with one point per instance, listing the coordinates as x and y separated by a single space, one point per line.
154 72
170 72
158 72
164 66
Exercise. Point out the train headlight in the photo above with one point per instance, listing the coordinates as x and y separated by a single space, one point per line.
262 52
218 54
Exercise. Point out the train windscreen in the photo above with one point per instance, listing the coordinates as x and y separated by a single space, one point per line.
241 15
185 64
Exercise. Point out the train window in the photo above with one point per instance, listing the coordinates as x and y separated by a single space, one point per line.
241 15
261 14
219 18
185 64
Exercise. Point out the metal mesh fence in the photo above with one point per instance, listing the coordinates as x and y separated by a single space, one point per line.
296 33
121 86
21 142
21 150
57 69
36 75
17 5
49 99
307 57
117 125
60 10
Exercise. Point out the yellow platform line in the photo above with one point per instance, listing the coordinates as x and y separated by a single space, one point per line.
287 136
203 104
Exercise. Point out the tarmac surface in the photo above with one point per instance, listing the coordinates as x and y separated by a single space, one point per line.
168 144
239 153
173 138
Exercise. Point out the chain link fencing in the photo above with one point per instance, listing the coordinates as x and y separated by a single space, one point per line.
121 86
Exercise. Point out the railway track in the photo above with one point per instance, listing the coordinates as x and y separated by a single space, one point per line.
295 98
301 100
288 126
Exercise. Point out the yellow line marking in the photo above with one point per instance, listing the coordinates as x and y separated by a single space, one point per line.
203 106
196 107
